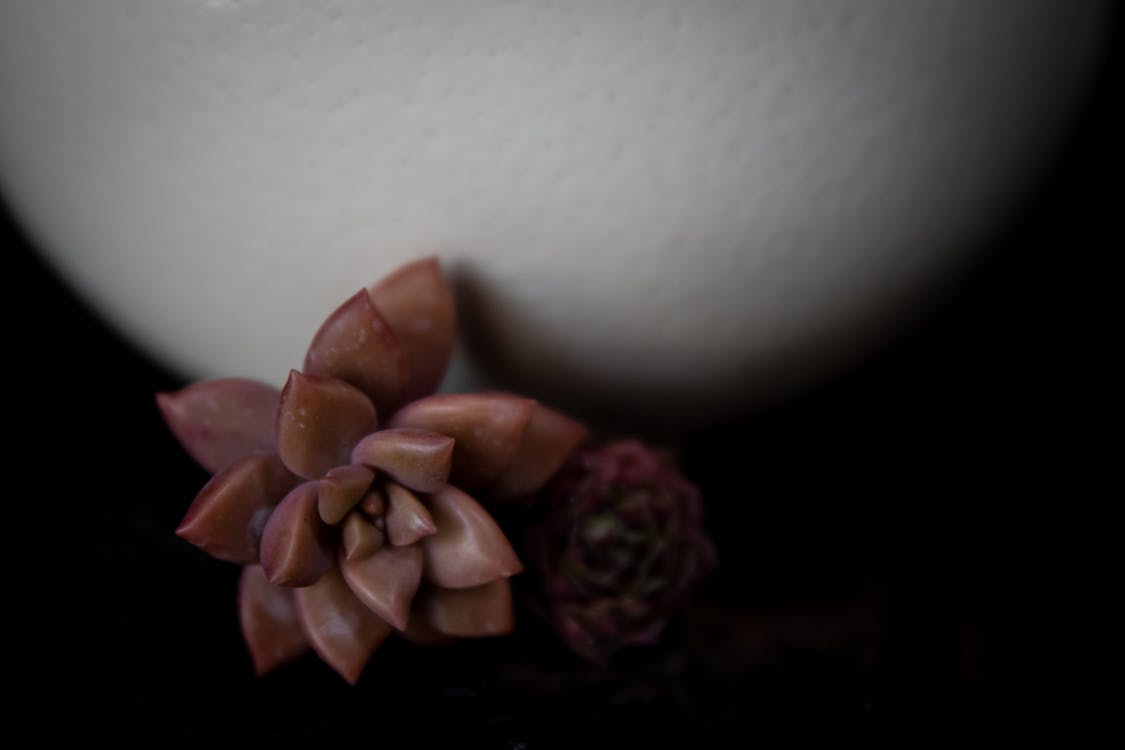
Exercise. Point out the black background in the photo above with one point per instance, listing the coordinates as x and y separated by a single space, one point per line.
913 547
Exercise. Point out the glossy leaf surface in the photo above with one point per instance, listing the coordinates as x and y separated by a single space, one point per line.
268 618
488 430
342 630
469 548
227 516
296 545
355 344
219 421
319 420
419 459
418 305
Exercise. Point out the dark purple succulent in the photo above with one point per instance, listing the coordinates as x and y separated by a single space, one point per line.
618 542
346 494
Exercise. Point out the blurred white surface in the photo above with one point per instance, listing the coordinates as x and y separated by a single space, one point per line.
656 204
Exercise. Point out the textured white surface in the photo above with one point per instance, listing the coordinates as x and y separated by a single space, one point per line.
652 201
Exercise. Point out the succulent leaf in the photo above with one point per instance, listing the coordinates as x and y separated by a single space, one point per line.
339 627
474 612
419 459
219 421
386 581
469 549
419 632
374 503
269 621
227 516
341 489
359 537
550 438
355 344
407 518
418 305
296 546
318 422
488 429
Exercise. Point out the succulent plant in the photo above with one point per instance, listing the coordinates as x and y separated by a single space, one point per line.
346 494
618 542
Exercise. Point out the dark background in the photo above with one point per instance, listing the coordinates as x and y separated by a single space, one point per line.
913 547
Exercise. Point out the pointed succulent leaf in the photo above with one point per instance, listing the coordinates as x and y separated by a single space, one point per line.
419 632
487 427
374 504
548 441
359 537
341 489
468 613
355 344
227 516
296 545
219 421
418 304
407 518
269 621
469 548
386 581
420 459
339 627
318 422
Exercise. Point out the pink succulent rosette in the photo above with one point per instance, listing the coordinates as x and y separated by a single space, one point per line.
349 494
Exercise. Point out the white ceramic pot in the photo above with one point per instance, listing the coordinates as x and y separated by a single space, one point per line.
670 207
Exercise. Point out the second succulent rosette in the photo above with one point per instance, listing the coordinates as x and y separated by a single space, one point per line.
351 495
